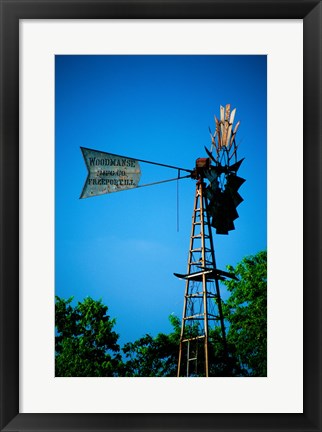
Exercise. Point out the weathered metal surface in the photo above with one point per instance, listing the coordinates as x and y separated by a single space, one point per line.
236 127
210 274
222 114
227 116
109 173
231 121
235 166
218 132
222 120
225 134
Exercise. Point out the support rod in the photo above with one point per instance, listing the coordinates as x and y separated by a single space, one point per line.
145 161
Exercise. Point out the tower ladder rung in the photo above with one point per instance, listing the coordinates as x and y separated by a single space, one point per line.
214 318
191 317
197 263
194 338
206 236
200 295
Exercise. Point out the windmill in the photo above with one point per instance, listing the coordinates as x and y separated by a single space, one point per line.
215 202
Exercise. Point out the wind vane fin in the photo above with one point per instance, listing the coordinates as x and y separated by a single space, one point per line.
109 173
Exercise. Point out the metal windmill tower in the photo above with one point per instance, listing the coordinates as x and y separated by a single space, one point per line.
214 207
215 202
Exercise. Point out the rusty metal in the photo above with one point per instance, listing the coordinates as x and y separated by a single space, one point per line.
109 173
224 137
210 274
226 124
231 121
218 134
222 120
234 134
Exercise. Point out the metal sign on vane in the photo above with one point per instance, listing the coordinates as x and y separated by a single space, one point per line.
108 173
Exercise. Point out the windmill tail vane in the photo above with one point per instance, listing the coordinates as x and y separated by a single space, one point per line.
109 173
215 207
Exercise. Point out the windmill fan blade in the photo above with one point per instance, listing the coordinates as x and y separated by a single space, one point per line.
223 212
231 121
222 204
225 231
225 122
224 140
232 116
227 112
218 168
237 199
222 120
213 193
229 209
222 114
222 226
218 132
232 213
233 136
236 127
211 174
220 230
210 155
208 193
235 166
234 182
215 207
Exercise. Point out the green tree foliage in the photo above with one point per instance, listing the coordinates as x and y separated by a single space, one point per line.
222 363
153 357
86 344
158 356
246 312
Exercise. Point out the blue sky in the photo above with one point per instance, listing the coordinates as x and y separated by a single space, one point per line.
124 247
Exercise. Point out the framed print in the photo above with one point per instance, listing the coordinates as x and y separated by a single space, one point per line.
99 97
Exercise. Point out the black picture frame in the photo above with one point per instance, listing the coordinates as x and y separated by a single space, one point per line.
11 12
